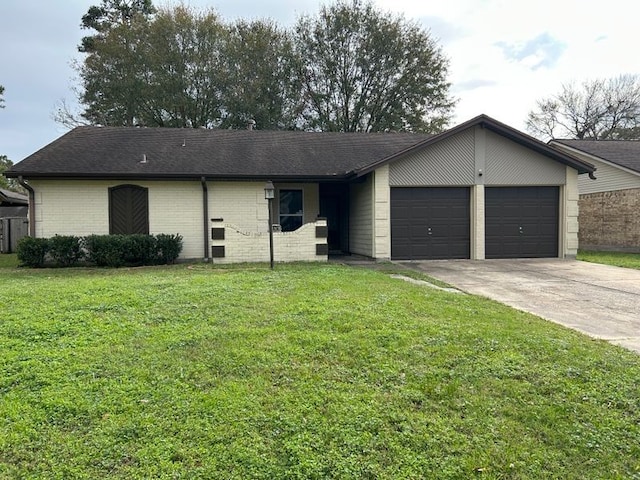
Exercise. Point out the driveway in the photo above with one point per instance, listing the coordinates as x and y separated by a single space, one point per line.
599 300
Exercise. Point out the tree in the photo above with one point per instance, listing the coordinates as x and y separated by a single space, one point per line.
186 70
1 99
365 70
8 183
598 110
261 77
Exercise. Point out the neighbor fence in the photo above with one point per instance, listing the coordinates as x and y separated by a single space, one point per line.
12 229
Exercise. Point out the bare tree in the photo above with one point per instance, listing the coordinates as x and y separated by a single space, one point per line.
598 110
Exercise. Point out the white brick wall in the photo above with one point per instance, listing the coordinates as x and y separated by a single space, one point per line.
244 246
570 208
382 214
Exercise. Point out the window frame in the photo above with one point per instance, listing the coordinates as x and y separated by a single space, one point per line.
290 215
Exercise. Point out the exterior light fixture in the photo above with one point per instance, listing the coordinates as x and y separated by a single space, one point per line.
269 194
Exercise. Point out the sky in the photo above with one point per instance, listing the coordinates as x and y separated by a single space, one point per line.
504 54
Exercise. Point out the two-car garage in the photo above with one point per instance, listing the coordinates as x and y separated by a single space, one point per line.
435 222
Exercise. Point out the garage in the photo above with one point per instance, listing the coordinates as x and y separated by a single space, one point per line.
429 223
521 222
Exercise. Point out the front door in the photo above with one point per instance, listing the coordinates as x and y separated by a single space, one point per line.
334 206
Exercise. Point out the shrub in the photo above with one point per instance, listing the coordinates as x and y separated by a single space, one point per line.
105 250
65 250
31 251
139 249
168 247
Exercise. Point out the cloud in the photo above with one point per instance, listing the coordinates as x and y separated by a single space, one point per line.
474 84
541 51
442 30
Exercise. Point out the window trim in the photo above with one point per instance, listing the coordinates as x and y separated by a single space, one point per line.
300 215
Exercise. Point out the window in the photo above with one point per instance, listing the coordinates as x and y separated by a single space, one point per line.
128 209
290 210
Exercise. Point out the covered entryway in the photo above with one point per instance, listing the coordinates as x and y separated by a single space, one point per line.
521 222
430 223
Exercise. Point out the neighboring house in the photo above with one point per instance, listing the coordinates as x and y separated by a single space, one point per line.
13 219
479 190
610 205
13 204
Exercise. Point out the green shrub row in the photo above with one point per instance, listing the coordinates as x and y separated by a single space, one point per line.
101 250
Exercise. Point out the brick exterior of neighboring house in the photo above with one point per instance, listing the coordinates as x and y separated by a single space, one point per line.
610 204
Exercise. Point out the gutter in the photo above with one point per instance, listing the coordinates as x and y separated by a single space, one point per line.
32 206
205 217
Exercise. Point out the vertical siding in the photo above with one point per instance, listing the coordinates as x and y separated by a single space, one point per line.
361 217
508 163
449 162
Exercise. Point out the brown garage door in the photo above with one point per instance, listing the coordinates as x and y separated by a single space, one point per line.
430 223
521 222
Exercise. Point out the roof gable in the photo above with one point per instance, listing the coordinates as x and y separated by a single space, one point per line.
625 153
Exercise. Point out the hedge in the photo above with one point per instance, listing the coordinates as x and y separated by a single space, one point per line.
101 250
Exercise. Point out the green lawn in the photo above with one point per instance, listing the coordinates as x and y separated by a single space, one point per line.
308 371
628 260
8 260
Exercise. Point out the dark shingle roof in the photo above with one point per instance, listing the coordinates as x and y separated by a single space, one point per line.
7 197
625 153
118 152
173 152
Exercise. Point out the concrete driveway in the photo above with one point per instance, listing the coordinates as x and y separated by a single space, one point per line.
599 300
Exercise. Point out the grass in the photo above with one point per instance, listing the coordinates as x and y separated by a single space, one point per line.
8 260
627 260
308 371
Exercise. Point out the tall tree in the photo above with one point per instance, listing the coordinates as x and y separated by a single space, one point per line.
114 72
261 77
598 110
366 70
1 94
186 68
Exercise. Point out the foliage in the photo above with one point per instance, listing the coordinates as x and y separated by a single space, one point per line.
598 110
168 247
617 259
353 68
132 250
32 251
262 85
364 70
65 250
1 99
308 371
5 164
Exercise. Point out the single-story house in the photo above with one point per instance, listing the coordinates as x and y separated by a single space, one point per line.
13 219
13 204
479 190
610 206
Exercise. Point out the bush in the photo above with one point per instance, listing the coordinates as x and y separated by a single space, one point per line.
168 247
133 250
106 250
31 251
65 250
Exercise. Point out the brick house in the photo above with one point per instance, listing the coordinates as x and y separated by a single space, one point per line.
479 190
610 205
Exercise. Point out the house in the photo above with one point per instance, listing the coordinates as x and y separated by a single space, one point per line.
479 190
13 204
610 206
13 219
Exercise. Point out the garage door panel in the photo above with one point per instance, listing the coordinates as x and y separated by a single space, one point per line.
521 222
439 219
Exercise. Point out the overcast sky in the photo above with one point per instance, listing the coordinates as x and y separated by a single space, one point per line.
504 54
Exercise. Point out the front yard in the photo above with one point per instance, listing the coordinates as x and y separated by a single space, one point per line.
308 371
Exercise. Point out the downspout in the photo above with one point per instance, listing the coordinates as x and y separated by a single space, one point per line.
32 206
205 217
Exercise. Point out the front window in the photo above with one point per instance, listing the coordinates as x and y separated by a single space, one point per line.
290 210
